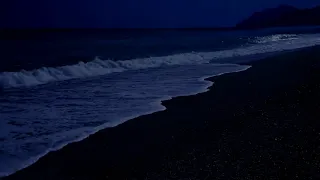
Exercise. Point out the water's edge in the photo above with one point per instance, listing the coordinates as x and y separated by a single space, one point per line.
159 103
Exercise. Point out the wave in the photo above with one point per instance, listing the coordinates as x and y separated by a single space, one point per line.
102 67
93 68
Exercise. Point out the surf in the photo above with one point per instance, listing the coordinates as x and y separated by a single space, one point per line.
98 66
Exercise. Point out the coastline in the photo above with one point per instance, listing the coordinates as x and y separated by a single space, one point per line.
162 144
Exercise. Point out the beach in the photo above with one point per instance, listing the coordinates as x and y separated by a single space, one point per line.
262 123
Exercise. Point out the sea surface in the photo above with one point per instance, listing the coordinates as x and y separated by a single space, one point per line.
58 87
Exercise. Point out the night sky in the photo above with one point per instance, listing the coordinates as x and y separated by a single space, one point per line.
133 13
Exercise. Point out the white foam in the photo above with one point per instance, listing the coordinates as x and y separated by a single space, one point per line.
274 38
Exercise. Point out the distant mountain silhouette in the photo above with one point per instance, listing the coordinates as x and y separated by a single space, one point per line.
283 15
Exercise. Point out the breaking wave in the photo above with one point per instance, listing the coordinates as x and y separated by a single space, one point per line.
101 67
93 68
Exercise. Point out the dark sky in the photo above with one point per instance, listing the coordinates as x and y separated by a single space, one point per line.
133 13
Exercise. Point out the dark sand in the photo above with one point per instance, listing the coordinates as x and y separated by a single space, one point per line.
263 123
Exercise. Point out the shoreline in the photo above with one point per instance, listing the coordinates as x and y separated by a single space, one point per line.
93 142
108 125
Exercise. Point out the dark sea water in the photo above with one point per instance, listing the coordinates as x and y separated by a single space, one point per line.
58 87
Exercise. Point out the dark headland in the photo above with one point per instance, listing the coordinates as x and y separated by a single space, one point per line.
262 123
282 16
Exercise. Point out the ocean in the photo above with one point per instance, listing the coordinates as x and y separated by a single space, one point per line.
58 87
